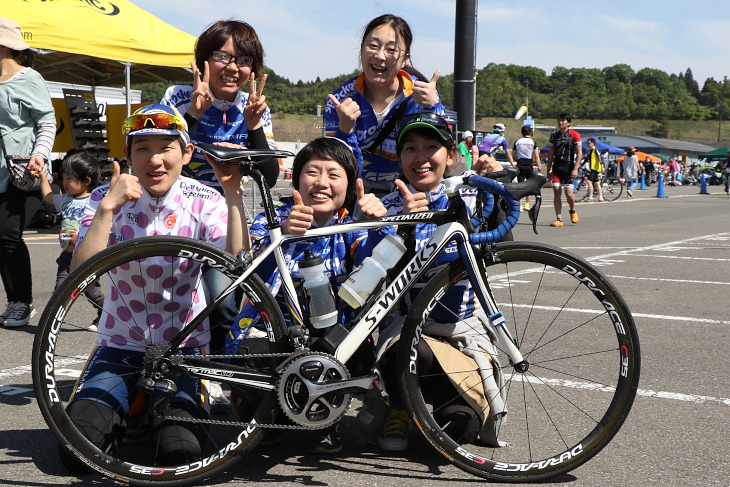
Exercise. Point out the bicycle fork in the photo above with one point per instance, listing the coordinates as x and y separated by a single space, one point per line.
477 275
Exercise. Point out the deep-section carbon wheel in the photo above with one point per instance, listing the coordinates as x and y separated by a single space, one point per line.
152 295
580 341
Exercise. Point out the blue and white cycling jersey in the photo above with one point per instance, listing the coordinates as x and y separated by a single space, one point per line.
460 300
222 122
333 249
382 163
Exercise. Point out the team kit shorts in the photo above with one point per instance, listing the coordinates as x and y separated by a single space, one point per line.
561 175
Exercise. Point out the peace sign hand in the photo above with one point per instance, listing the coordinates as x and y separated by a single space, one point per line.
256 103
369 204
201 98
424 93
412 202
301 217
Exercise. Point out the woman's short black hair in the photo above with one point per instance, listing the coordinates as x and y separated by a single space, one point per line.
328 149
82 165
244 38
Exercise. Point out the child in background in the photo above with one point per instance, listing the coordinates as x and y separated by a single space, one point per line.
80 174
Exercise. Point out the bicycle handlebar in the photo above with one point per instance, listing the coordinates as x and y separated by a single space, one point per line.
511 193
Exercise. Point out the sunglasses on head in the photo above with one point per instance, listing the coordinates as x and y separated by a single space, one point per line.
164 121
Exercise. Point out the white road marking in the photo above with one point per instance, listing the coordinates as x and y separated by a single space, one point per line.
592 386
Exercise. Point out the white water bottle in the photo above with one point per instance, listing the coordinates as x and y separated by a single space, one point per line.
358 287
321 304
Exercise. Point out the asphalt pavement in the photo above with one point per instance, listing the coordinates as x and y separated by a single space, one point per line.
670 259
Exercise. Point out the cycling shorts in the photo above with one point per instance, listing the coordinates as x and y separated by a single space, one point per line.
594 176
561 175
524 172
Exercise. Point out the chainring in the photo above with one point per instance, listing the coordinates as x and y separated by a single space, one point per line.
302 391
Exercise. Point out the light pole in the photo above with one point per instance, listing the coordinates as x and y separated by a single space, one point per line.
720 108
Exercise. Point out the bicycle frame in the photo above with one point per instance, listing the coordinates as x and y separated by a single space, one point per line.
377 306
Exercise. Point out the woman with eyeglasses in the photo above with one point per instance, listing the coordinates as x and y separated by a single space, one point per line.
223 105
360 111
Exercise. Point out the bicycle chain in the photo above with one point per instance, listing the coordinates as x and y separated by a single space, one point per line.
220 422
240 423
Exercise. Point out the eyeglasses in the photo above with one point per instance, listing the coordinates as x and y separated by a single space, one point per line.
389 50
429 118
226 58
165 121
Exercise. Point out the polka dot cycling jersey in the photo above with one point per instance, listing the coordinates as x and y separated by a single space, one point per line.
150 303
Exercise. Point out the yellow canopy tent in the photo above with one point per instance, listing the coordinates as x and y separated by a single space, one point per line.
101 43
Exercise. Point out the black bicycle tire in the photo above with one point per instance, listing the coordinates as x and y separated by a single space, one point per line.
49 330
617 194
604 430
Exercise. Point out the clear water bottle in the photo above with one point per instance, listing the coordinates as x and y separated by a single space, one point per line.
321 299
358 287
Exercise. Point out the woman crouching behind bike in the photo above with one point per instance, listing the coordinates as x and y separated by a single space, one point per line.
324 175
426 151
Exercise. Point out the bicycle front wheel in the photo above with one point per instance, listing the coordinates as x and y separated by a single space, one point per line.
579 338
149 299
612 188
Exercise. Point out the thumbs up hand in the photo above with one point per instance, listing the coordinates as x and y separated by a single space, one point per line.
369 204
412 202
424 93
301 217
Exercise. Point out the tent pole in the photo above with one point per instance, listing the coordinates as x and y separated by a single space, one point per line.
128 86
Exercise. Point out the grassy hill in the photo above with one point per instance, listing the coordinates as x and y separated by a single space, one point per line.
288 127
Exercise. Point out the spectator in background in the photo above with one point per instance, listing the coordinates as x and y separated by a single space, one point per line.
564 158
648 171
27 128
80 174
465 147
631 170
527 154
595 170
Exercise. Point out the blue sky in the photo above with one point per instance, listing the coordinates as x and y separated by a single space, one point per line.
304 40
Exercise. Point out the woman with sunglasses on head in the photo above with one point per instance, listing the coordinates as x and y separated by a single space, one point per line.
224 105
360 111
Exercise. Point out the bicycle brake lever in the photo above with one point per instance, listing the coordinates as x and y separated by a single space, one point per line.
534 211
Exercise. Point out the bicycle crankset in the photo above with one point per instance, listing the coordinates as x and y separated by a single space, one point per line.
314 390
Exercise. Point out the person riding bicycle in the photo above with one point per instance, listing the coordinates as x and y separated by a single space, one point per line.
492 142
156 200
324 175
426 151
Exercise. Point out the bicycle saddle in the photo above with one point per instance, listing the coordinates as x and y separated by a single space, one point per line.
263 160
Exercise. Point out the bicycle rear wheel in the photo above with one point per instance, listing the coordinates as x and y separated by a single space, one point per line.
612 188
579 338
579 189
63 342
